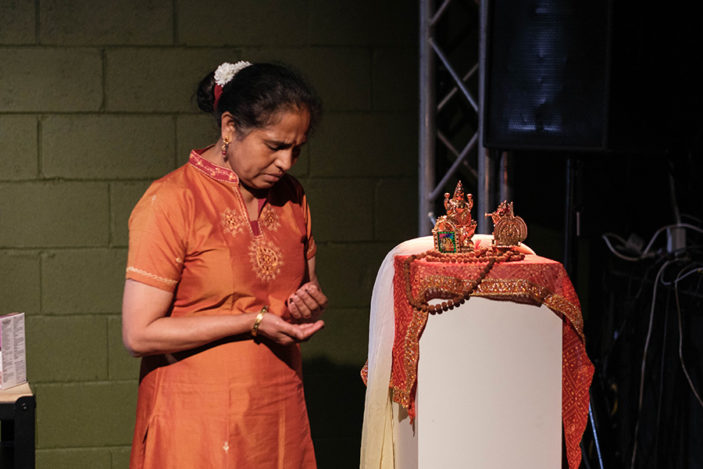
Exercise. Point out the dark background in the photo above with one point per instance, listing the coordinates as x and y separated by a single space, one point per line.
614 90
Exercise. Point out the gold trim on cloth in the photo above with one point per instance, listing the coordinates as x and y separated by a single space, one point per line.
515 290
411 353
165 280
445 286
216 172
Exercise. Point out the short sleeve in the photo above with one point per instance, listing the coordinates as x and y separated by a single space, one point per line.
158 230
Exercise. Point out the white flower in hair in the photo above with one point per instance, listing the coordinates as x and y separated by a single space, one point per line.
226 71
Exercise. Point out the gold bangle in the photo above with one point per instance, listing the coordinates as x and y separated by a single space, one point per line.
257 321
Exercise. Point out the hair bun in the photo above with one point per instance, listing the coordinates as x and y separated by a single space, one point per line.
206 93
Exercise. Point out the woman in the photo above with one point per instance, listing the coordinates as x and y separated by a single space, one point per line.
221 286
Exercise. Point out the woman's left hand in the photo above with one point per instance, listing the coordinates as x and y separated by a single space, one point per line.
308 303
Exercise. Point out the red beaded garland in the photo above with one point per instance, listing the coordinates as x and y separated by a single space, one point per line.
488 256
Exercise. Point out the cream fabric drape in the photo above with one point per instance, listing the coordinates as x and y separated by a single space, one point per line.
378 434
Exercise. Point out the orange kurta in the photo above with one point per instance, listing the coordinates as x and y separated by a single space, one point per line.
234 403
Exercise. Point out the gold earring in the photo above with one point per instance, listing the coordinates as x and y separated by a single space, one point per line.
225 147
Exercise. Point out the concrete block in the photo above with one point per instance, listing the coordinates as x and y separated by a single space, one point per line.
123 198
365 145
395 79
348 271
97 414
363 22
194 131
19 288
297 57
341 23
120 457
343 341
342 209
126 22
395 22
121 364
158 79
18 155
72 458
340 75
17 22
395 213
46 80
110 146
53 214
248 22
72 348
83 281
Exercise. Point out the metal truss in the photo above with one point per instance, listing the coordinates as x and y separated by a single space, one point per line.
450 142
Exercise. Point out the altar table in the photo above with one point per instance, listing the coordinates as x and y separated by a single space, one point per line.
493 399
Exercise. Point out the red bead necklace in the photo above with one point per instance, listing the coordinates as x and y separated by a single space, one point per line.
490 257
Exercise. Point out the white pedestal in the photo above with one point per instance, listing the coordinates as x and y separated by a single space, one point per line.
489 390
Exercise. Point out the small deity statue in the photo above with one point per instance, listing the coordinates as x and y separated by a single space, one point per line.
508 230
453 231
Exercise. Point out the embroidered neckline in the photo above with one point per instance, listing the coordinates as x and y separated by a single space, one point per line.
211 169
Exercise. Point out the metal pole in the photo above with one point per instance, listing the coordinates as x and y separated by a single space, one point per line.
569 218
506 189
426 157
595 436
484 159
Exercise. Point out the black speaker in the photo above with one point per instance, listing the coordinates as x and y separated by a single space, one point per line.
547 74
591 75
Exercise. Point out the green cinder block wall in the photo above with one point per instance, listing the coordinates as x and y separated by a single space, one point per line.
96 101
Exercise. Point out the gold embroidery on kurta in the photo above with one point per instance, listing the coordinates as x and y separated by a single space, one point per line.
233 222
212 170
165 280
269 219
266 259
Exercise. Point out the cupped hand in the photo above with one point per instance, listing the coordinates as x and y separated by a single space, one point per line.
307 304
283 332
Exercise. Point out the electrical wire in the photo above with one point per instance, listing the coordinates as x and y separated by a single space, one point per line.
644 359
660 394
660 230
680 277
615 252
695 219
618 331
645 253
694 268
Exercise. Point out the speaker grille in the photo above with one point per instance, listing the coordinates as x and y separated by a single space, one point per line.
547 74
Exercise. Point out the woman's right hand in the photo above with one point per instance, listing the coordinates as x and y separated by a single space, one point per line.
282 332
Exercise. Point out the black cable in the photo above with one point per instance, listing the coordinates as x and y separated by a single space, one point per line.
680 277
644 362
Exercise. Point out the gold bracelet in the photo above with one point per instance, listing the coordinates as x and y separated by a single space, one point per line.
257 321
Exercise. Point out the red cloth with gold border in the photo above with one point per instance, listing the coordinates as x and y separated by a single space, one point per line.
534 280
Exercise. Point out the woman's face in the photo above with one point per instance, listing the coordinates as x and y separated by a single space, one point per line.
264 155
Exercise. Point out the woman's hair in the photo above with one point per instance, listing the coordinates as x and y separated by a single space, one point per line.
256 94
